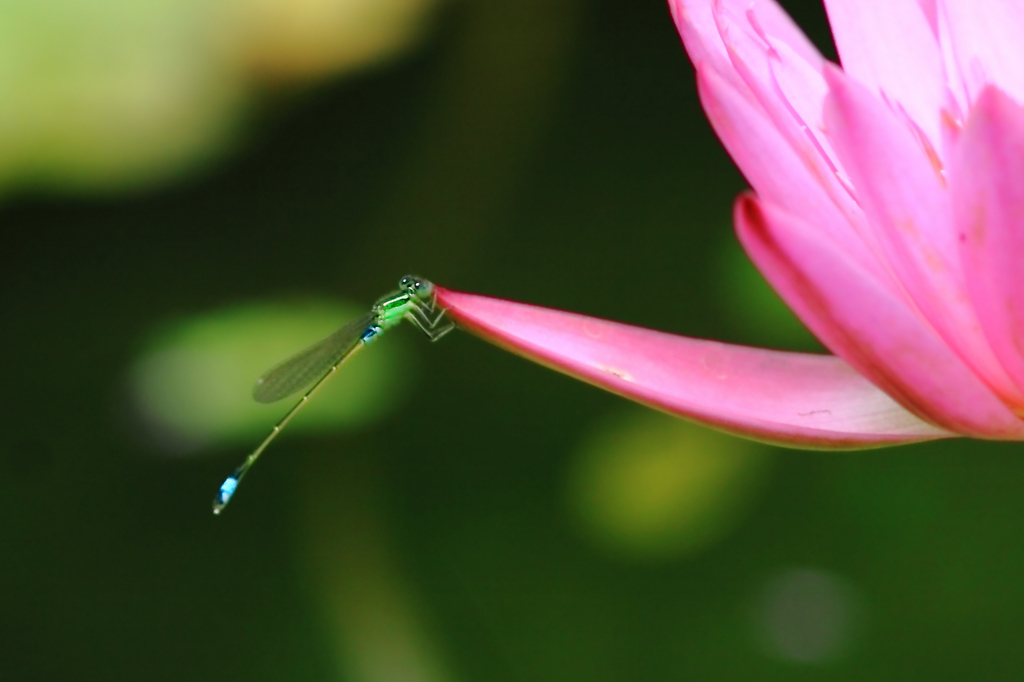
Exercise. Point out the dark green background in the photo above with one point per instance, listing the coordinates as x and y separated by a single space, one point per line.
549 152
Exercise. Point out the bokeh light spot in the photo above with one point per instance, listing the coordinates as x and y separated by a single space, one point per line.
306 38
121 94
807 616
193 384
649 485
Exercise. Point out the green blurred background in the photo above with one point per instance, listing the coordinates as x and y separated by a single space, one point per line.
194 189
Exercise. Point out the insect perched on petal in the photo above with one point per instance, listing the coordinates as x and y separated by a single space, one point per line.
414 301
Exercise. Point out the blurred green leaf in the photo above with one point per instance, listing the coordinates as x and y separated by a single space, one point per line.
194 382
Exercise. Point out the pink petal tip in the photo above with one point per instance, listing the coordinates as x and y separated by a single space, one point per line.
790 399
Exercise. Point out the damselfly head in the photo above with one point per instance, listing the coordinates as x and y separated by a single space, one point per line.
414 286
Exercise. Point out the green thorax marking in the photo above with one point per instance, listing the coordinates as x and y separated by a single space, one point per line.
391 309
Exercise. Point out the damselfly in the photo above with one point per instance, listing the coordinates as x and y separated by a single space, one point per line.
414 301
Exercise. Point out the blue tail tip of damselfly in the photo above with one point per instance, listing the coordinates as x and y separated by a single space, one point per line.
227 489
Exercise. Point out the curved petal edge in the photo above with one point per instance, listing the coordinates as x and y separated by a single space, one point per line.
791 399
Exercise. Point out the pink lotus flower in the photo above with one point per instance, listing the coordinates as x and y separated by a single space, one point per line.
887 209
